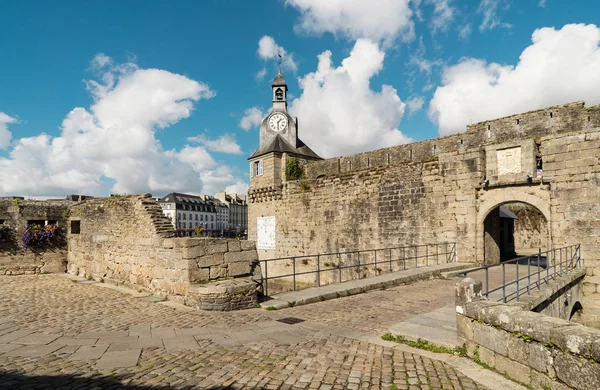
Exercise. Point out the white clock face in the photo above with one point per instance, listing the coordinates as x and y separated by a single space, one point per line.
278 122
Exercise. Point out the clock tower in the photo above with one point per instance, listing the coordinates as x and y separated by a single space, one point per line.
278 142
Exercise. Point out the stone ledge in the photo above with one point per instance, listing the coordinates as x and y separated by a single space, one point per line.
225 295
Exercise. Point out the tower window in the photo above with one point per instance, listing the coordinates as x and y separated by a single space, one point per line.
434 150
279 94
258 168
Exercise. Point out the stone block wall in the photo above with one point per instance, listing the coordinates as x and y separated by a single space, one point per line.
442 189
539 350
127 240
16 260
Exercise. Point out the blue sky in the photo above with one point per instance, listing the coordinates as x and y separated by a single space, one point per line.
154 96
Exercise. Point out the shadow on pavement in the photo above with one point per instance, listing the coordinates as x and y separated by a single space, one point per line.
12 380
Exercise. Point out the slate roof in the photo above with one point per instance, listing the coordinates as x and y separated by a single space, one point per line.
279 81
280 145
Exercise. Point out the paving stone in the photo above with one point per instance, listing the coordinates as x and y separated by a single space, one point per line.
8 347
12 336
180 343
89 352
245 349
37 338
102 335
118 359
164 332
74 341
33 350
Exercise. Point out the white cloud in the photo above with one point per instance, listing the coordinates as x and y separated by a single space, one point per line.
252 118
465 31
489 10
239 187
443 14
224 144
269 50
114 139
5 135
560 66
377 20
339 112
260 75
542 3
219 178
415 104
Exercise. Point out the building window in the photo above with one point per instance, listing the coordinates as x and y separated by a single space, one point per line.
212 217
75 227
196 217
258 168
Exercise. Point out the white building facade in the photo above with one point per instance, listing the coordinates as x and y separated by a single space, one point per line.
191 215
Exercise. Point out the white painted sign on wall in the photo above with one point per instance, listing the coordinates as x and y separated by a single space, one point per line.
265 232
509 161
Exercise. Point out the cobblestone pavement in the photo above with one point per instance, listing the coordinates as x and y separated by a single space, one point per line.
56 333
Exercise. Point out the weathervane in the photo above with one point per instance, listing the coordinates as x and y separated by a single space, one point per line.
279 61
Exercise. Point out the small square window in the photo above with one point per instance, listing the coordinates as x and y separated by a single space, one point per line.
75 227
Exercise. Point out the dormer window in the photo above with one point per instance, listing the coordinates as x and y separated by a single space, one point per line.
279 94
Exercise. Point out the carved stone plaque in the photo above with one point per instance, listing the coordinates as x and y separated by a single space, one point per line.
509 161
265 233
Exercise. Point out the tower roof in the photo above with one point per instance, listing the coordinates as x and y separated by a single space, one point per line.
279 81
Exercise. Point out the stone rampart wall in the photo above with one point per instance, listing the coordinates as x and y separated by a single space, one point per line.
442 189
125 240
536 349
16 260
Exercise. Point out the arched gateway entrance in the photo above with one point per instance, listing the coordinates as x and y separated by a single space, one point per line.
512 223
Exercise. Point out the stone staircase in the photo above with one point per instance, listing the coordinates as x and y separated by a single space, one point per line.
162 224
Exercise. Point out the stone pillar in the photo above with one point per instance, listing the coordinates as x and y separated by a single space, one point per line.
467 290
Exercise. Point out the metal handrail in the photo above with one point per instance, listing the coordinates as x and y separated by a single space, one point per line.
445 252
569 256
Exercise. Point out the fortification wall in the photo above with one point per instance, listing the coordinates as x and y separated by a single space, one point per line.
534 348
442 189
129 241
14 258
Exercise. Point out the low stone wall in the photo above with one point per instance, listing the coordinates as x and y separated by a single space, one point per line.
125 240
533 348
234 294
30 263
16 214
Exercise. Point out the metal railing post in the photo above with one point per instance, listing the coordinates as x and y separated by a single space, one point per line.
437 258
294 271
561 259
403 257
503 283
390 259
417 256
487 281
517 280
375 257
426 255
318 270
340 267
358 253
528 275
266 280
454 257
539 271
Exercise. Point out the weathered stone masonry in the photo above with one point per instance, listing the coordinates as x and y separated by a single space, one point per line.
442 189
535 348
14 259
129 241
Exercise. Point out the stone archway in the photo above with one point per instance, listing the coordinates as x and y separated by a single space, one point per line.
492 199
